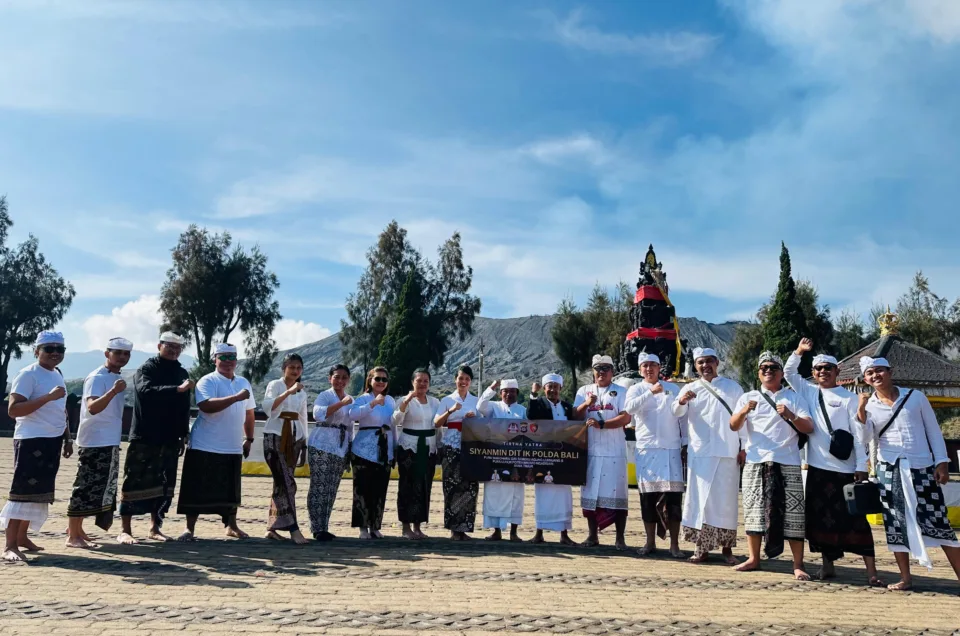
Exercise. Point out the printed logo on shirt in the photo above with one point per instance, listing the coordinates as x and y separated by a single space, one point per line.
600 407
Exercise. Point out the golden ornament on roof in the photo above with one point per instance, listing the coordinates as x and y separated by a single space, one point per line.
889 323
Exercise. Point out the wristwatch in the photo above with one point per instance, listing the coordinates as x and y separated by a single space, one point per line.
249 439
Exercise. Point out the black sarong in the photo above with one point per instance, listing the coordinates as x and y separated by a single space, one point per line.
370 481
661 508
95 488
210 484
831 529
415 483
459 495
149 479
36 461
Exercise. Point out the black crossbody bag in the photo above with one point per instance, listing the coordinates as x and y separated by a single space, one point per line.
841 442
802 437
864 498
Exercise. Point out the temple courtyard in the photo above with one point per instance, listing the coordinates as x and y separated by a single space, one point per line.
394 587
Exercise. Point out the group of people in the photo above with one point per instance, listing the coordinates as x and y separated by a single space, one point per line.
720 428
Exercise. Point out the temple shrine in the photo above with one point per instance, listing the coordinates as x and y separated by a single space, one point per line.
654 321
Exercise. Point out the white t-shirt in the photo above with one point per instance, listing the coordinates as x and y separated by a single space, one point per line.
769 437
611 402
104 428
49 420
296 403
221 432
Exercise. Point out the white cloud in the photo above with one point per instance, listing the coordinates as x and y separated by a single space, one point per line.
293 333
555 151
666 48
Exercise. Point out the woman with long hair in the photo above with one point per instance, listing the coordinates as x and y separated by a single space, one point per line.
459 496
372 452
284 447
327 450
416 454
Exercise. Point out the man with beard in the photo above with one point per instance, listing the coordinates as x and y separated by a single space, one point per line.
554 502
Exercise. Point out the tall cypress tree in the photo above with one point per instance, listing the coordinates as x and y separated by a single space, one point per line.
406 345
785 323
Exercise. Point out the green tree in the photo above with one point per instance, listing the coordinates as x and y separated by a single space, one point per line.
784 322
33 296
926 319
744 351
608 314
405 347
849 334
449 308
212 291
574 341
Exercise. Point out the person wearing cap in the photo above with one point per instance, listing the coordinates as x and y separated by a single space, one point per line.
98 460
219 440
710 507
502 500
38 403
603 498
912 464
831 529
773 417
553 503
161 422
459 495
658 462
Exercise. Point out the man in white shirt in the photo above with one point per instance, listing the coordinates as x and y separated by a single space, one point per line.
553 502
98 460
774 418
38 402
658 462
912 464
502 500
603 498
219 440
713 458
831 529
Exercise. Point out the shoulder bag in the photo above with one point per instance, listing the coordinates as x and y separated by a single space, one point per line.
802 437
841 442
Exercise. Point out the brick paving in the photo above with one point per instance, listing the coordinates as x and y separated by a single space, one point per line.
394 587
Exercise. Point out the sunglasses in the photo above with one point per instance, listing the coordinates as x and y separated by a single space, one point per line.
824 367
380 378
227 357
603 369
53 348
769 367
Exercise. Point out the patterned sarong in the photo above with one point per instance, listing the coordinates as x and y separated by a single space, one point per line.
459 495
416 481
773 504
914 514
95 488
831 529
370 481
149 479
326 470
36 461
210 484
283 501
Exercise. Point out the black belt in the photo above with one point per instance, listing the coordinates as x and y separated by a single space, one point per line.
382 454
420 464
342 427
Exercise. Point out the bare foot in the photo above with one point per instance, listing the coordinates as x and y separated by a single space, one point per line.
621 545
800 574
236 533
676 553
156 535
729 558
515 537
186 536
12 555
496 535
420 535
748 566
409 534
125 538
702 558
273 536
590 542
377 534
80 542
826 572
30 546
901 586
646 550
566 540
365 534
298 538
538 538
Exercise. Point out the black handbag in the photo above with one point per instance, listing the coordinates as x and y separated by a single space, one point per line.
864 498
801 437
841 442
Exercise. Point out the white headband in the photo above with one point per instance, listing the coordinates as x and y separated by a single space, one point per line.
599 360
769 356
224 347
647 357
172 338
706 352
120 344
824 359
48 337
509 384
866 362
552 377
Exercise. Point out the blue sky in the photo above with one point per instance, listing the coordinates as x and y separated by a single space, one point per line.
559 138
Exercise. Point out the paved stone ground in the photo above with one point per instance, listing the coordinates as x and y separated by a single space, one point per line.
393 587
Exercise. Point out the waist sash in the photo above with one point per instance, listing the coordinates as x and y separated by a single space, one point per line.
342 427
288 439
455 426
423 453
382 454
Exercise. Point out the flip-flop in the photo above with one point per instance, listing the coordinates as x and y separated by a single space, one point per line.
645 551
876 581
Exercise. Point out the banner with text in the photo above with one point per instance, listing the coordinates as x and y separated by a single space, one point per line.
524 451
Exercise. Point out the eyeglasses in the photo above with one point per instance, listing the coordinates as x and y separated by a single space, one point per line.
227 357
606 368
824 367
380 378
769 367
53 348
172 345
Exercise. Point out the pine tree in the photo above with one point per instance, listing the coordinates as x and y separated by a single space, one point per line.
406 345
784 323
